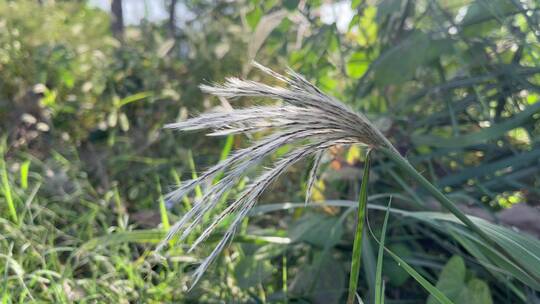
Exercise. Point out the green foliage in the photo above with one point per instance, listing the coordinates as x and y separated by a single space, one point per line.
452 283
62 53
451 279
317 230
415 51
250 272
322 280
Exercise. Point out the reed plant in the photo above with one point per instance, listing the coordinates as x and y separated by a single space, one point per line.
309 122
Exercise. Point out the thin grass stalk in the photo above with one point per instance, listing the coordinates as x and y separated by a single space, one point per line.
379 287
447 203
357 247
6 189
24 174
284 287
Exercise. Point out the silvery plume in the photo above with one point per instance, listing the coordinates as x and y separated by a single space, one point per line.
307 119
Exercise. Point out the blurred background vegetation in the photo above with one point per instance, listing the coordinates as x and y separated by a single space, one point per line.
86 86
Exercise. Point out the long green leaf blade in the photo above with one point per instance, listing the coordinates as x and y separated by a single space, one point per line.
357 247
6 189
482 136
379 288
25 166
437 294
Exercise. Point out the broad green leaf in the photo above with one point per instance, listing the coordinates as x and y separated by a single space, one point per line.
254 16
451 279
250 272
482 10
322 281
367 27
476 292
291 4
397 276
318 230
387 7
399 64
357 65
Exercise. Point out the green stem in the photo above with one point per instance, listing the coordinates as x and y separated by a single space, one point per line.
448 204
357 247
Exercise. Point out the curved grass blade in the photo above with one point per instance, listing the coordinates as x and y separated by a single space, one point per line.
436 293
6 188
162 208
379 287
313 175
482 136
194 175
357 247
154 236
225 152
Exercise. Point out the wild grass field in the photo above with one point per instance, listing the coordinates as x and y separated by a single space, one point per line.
404 167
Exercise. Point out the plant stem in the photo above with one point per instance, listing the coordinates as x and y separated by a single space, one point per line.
357 247
448 204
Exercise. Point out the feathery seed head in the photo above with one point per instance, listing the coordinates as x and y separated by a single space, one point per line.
308 119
